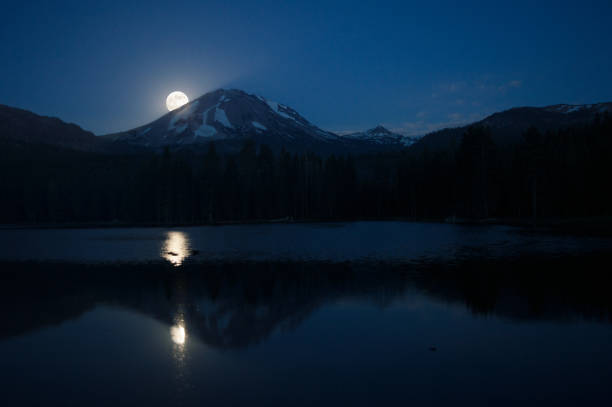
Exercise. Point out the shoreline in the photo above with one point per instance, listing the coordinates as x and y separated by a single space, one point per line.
582 225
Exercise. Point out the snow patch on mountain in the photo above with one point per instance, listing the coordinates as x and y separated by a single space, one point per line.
205 130
182 114
280 109
221 117
273 105
382 136
258 125
568 109
408 141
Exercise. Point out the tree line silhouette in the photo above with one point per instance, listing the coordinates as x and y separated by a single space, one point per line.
558 174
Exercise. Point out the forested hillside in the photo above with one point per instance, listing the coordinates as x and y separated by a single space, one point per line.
563 173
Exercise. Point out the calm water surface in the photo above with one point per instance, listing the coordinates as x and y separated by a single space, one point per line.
335 242
331 314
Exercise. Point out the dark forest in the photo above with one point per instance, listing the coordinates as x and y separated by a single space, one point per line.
559 174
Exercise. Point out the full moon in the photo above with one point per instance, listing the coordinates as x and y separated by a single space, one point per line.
176 99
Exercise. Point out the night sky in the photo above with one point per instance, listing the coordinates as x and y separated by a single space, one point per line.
412 66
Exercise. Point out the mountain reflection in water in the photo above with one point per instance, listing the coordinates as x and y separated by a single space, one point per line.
233 305
479 331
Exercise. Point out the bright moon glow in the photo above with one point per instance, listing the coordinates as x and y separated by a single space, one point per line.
178 334
176 99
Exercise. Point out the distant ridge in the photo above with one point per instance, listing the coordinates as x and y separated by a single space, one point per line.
383 136
508 126
22 126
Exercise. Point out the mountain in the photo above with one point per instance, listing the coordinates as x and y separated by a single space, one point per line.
382 136
508 126
19 126
230 117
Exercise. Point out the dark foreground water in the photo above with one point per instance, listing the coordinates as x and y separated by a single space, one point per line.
338 314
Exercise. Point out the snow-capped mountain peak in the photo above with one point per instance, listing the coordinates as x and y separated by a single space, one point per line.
230 116
223 115
381 135
379 130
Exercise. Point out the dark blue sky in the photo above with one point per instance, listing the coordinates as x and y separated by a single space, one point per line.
344 65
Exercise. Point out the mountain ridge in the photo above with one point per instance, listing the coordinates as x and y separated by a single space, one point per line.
23 126
508 125
382 135
230 117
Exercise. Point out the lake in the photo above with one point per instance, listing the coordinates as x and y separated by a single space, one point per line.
364 313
